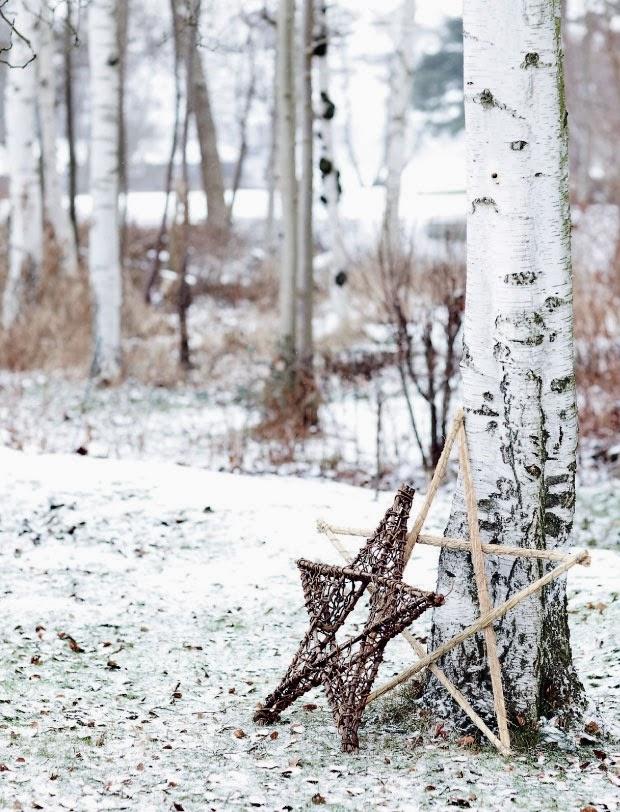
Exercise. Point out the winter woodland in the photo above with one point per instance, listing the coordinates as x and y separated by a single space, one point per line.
256 255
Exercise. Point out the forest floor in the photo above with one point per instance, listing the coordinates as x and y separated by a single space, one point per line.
147 607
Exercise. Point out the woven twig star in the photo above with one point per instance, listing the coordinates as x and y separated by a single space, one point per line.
348 670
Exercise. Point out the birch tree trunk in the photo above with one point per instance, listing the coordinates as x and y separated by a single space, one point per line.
330 173
399 105
306 236
68 45
104 243
26 225
518 372
211 167
287 178
55 216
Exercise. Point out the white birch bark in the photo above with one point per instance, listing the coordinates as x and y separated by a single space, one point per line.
398 114
518 379
26 220
104 245
330 173
306 190
287 178
55 216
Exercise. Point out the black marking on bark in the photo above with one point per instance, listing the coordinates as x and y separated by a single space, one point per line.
341 279
329 108
492 426
323 200
557 479
325 166
485 504
559 385
112 61
532 60
533 470
487 396
466 358
521 278
552 525
553 302
518 146
486 98
531 341
485 411
483 201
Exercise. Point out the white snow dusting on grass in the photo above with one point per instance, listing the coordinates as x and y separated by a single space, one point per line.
179 590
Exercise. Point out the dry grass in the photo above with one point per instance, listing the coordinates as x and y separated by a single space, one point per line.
53 330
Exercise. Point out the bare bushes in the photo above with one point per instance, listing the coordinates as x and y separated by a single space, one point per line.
422 303
597 343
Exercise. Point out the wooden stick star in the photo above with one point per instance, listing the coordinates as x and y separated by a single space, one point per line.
488 614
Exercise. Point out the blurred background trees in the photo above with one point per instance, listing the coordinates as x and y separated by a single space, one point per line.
271 209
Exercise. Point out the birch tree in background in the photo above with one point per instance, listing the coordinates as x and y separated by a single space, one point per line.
399 104
104 243
518 373
306 190
287 180
328 166
26 224
55 216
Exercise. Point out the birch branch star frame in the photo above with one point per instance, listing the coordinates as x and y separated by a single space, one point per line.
488 614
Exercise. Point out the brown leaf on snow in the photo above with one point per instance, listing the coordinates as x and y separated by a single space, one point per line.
239 733
592 728
273 735
73 644
112 665
140 767
599 606
179 807
318 799
310 706
588 808
466 741
4 768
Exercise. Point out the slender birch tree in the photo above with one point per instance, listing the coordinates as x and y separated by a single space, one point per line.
104 240
399 105
287 180
328 166
518 369
306 192
55 216
26 225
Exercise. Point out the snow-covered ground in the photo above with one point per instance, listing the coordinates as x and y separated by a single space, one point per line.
178 589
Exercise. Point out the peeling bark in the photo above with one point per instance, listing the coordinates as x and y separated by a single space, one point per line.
518 374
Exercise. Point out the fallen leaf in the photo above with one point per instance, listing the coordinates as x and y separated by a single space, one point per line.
273 735
310 706
73 644
318 799
239 734
466 741
112 665
592 728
